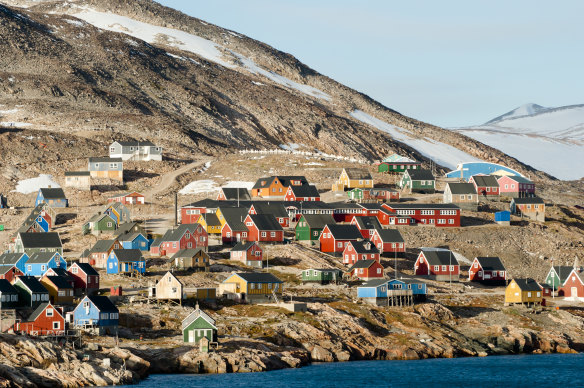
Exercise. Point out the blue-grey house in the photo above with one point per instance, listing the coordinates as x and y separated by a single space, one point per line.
126 261
40 262
418 288
97 313
14 259
384 292
134 241
54 197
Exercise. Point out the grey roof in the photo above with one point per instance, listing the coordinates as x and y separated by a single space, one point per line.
103 303
196 314
41 257
135 143
421 175
267 207
10 258
234 218
563 271
127 227
53 193
129 236
358 173
344 232
440 257
211 219
105 160
462 188
414 205
305 191
128 255
258 277
390 235
243 246
528 200
491 263
59 281
87 268
7 288
361 247
520 179
485 181
102 246
345 205
284 179
41 240
235 193
528 284
318 221
77 173
374 283
368 222
191 252
266 222
176 234
324 269
39 310
362 264
32 284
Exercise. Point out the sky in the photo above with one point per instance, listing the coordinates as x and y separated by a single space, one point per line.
448 63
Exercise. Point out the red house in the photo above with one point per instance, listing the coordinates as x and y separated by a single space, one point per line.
278 210
86 278
344 212
381 195
185 236
388 241
573 287
133 198
302 193
487 270
234 229
263 227
384 215
44 320
10 272
334 238
438 264
434 214
366 270
366 225
250 253
359 250
516 186
485 185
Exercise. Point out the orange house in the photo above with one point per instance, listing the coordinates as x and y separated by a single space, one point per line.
276 186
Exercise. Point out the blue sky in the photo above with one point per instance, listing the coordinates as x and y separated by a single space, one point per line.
449 63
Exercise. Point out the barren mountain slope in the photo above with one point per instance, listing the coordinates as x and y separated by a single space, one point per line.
196 85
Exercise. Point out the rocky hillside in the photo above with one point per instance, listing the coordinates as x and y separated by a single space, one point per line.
150 72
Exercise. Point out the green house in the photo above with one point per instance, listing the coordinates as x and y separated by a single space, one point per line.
310 226
100 223
322 276
395 163
558 275
421 181
356 194
198 325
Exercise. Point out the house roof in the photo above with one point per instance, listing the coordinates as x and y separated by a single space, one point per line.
395 158
440 257
60 271
87 268
266 222
563 271
367 222
362 264
211 219
305 191
127 227
390 235
235 193
103 303
243 246
345 205
234 218
128 255
11 258
41 240
258 277
485 181
5 268
196 314
53 193
7 288
527 284
98 217
519 179
135 143
32 284
421 175
361 247
102 246
374 283
318 221
129 236
277 209
59 281
528 200
39 310
490 263
462 188
190 252
408 206
324 269
171 275
284 179
105 160
358 173
77 173
344 232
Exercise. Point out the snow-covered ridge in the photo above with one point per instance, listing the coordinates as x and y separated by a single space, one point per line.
523 110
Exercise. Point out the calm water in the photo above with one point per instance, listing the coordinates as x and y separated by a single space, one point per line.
554 370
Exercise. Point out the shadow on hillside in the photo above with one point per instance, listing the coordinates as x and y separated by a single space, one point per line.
134 175
469 311
474 221
64 217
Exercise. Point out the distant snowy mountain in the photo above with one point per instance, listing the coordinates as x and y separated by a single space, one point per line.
548 139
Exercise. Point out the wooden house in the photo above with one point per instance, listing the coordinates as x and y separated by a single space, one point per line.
345 211
377 195
516 186
309 227
383 214
298 209
207 294
464 195
351 178
130 228
321 275
433 214
100 251
9 296
98 314
263 227
573 286
126 261
418 288
360 250
198 325
135 150
334 238
119 212
106 168
532 208
486 186
388 241
302 193
276 186
185 236
30 243
277 210
134 241
191 258
374 292
366 270
17 260
31 292
41 262
10 272
131 198
80 180
54 197
397 164
60 290
366 225
557 275
233 194
252 287
489 270
46 319
523 291
100 223
234 229
43 215
437 264
169 288
86 278
249 253
420 181
61 272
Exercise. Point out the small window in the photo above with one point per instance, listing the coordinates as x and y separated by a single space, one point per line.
49 312
56 325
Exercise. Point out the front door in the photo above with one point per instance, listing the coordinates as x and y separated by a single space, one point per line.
574 293
191 336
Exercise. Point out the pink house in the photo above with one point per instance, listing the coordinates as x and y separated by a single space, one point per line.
516 186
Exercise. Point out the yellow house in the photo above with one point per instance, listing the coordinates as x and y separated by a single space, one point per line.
169 287
523 291
355 178
252 287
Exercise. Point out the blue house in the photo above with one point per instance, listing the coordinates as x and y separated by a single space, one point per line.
14 259
503 217
52 197
418 288
98 314
126 261
374 292
134 241
40 262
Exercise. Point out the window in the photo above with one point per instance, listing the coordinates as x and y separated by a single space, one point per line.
29 268
264 234
340 244
538 294
56 325
43 267
443 268
361 270
74 270
451 221
441 221
269 286
488 189
469 196
436 268
62 293
451 268
111 265
112 149
529 294
272 234
252 286
49 312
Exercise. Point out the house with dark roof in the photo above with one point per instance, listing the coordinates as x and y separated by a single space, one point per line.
100 223
86 278
41 262
135 150
334 237
46 319
532 208
276 186
302 193
438 264
351 178
420 181
54 197
96 314
360 250
433 214
17 260
396 164
249 253
234 229
30 243
309 226
523 291
486 186
100 251
373 195
9 295
345 211
10 272
557 275
464 195
81 180
276 209
488 270
252 287
60 290
516 186
106 168
388 241
42 217
263 227
573 287
126 261
119 212
366 225
130 227
383 214
134 240
321 275
366 270
233 194
185 236
191 258
31 291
